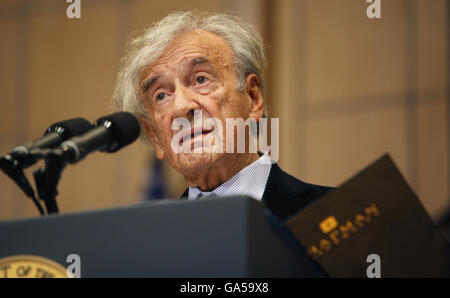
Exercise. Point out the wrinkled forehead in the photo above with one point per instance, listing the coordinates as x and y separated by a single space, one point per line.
197 44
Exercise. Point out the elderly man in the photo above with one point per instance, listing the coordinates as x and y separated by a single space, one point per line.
193 63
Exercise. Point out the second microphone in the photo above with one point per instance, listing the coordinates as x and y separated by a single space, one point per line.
110 134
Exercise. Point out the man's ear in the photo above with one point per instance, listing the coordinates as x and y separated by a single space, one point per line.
152 135
253 90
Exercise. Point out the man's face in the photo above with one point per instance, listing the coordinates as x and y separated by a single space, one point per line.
195 73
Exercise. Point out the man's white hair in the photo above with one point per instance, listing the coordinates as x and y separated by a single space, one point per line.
244 40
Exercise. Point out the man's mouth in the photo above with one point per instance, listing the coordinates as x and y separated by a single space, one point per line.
194 133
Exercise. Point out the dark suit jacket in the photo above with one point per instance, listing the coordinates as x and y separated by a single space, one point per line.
285 195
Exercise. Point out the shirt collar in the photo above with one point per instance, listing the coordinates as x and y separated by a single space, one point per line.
250 181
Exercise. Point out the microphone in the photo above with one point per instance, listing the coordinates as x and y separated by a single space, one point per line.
23 156
55 134
111 133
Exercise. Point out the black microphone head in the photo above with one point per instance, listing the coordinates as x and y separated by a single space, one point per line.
125 129
55 134
70 128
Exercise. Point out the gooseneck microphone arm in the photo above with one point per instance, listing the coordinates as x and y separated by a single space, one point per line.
111 134
11 167
47 179
29 153
78 138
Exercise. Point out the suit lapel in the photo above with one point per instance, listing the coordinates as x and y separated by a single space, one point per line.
280 192
285 195
185 194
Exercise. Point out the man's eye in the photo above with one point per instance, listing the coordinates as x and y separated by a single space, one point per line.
161 96
201 80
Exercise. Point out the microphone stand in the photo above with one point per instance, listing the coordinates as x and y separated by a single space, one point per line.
13 167
47 179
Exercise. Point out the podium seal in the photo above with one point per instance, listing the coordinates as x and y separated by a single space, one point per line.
29 266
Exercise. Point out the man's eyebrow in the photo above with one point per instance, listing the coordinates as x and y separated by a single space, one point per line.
147 83
200 60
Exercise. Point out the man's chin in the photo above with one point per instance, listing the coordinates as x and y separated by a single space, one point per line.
189 162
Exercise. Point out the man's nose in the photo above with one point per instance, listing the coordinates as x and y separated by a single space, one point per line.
185 103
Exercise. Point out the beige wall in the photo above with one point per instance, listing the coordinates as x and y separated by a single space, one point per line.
346 89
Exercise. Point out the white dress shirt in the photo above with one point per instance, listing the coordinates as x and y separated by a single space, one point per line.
250 181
